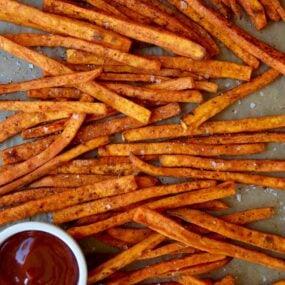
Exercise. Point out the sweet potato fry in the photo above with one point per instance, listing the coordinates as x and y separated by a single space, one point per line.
256 165
240 138
25 151
191 280
222 8
93 89
68 198
164 267
208 68
117 125
62 25
129 235
60 80
259 49
213 106
131 77
30 40
267 181
214 205
278 7
55 93
227 280
257 238
130 29
27 195
121 260
52 164
190 96
270 10
215 127
20 121
256 12
50 106
174 84
88 209
207 86
178 148
115 243
171 229
171 248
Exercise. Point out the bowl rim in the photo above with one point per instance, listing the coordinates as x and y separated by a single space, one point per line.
55 231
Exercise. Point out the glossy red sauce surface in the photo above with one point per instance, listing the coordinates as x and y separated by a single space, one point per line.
37 258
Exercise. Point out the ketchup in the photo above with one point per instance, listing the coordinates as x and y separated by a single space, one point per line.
37 258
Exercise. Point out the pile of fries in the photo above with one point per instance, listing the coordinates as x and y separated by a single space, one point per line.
106 89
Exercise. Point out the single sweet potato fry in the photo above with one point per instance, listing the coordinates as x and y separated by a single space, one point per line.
213 106
207 86
173 230
21 121
130 29
227 280
87 209
267 181
259 49
256 12
179 148
190 96
214 205
126 257
207 68
128 77
164 267
93 89
50 106
256 165
25 151
69 198
55 93
236 232
214 127
279 8
270 11
51 164
29 40
174 84
61 25
60 80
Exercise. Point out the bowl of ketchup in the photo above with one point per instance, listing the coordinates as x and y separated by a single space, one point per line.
34 253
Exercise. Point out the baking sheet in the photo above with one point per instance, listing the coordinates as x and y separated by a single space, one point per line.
269 101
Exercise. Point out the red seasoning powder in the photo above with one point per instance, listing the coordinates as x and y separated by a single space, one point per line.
37 258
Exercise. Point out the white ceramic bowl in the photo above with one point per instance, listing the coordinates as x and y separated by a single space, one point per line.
55 231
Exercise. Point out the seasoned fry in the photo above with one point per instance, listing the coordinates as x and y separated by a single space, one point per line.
215 127
214 205
278 7
227 280
174 84
259 49
156 94
30 40
68 198
191 280
178 148
60 80
50 106
164 267
256 12
124 258
61 25
129 235
55 93
52 164
21 121
256 165
131 77
27 195
208 68
117 125
93 89
236 232
238 138
88 209
25 151
213 106
222 8
270 11
130 29
267 181
207 86
171 229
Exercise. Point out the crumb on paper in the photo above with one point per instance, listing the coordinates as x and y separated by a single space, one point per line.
252 105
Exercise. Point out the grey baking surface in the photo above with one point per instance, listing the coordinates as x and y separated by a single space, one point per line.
269 101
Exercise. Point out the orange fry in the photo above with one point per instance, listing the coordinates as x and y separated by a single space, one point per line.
227 280
191 280
174 84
